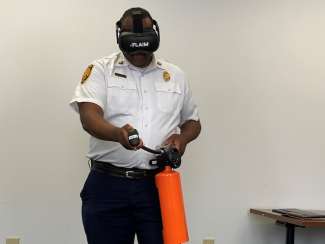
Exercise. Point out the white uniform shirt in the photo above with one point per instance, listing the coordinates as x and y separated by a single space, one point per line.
144 98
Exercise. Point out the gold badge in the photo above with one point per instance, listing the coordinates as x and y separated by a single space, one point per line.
86 73
166 75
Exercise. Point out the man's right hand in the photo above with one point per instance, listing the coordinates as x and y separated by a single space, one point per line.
123 137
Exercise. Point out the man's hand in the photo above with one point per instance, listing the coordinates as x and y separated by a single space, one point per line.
189 131
122 135
178 142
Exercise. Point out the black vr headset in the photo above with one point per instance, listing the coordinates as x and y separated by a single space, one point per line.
139 39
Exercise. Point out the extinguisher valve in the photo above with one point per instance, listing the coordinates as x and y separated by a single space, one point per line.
169 157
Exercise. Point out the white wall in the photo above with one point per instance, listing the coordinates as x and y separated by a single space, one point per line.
257 72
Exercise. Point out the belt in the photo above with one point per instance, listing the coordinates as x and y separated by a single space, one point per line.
130 173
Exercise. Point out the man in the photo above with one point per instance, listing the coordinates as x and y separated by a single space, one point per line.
130 89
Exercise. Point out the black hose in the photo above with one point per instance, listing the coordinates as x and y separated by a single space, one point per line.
151 150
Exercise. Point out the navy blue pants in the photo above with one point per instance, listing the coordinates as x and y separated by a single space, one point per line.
114 209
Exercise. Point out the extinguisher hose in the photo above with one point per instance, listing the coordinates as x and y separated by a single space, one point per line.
134 140
151 150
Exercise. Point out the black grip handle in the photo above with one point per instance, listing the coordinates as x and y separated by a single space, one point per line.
134 138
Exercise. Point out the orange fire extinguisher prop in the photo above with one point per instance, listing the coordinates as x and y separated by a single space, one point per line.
168 182
172 206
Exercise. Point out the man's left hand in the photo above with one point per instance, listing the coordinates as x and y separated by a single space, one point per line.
178 142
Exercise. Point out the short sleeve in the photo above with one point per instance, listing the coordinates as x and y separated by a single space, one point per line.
92 88
189 110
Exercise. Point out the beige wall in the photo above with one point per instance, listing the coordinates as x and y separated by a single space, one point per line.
257 72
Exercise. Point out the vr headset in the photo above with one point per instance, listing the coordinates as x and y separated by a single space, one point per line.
140 38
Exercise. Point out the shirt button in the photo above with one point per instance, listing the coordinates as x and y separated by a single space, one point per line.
146 125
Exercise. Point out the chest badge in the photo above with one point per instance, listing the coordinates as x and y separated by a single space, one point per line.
166 76
86 73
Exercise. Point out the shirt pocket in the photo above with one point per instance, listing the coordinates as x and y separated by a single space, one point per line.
122 97
169 96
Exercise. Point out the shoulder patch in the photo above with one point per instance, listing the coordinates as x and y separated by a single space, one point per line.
86 73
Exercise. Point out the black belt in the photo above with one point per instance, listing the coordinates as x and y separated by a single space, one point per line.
131 173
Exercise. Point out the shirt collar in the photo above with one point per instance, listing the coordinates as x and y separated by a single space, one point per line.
121 61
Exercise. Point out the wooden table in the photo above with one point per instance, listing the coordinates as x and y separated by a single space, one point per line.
290 222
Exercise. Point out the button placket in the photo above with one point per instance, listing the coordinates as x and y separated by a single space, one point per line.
146 103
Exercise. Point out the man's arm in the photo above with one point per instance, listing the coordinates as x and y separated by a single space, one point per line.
92 120
189 131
